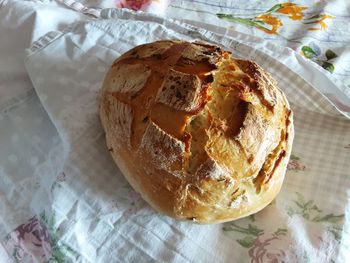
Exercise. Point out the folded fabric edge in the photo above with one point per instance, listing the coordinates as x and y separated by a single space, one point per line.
337 99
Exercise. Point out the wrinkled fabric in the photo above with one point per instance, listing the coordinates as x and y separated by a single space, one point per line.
63 198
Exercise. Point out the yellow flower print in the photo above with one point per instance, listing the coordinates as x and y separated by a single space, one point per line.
294 11
320 20
270 20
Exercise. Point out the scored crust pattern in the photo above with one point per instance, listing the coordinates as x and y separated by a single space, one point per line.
200 135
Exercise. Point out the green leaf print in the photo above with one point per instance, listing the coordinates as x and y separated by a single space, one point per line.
330 54
336 231
274 8
305 208
331 218
250 234
253 238
60 251
58 256
312 213
328 66
250 230
231 18
309 205
299 204
14 255
252 217
308 52
246 242
290 211
281 232
294 157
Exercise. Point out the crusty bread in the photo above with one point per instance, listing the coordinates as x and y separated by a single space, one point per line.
200 135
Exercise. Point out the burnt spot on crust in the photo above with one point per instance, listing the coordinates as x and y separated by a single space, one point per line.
208 78
178 94
157 56
250 159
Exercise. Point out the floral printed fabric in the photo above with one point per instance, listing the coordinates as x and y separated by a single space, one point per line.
94 215
36 241
99 214
317 29
270 22
296 24
143 5
153 6
266 244
29 242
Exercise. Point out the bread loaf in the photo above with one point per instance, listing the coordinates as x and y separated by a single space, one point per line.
200 135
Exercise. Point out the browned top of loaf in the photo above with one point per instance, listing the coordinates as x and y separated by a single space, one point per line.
210 129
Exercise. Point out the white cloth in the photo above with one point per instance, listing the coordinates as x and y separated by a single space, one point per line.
26 133
99 218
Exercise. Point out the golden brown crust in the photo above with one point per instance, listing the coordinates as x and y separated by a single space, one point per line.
200 135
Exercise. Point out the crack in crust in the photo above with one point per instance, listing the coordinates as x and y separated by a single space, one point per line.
158 64
214 133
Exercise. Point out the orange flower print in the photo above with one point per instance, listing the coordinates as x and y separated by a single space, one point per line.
294 11
320 20
270 20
